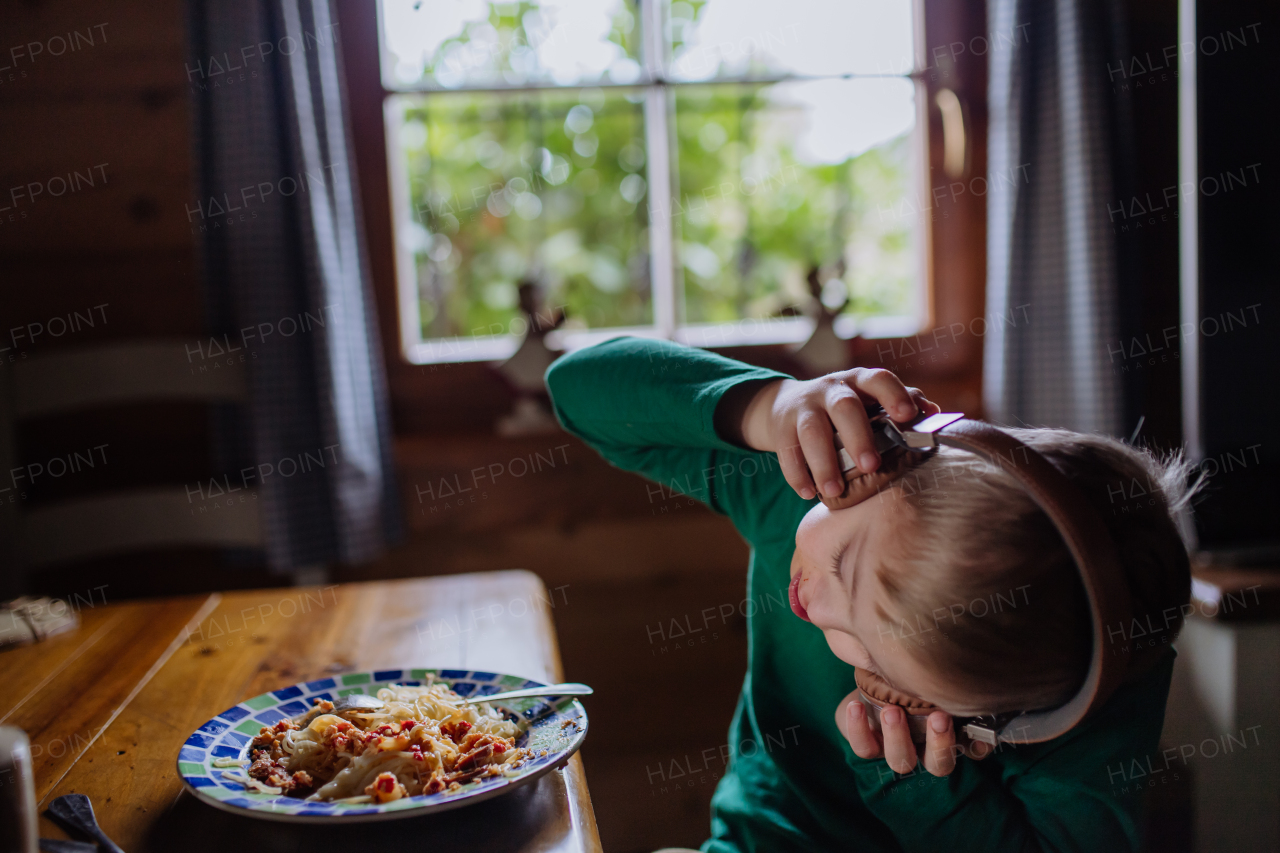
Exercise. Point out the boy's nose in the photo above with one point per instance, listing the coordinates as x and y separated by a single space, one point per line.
796 563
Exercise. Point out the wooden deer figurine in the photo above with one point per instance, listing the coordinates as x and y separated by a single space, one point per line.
523 372
825 351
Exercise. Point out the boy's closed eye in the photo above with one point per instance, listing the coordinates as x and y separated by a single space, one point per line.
834 572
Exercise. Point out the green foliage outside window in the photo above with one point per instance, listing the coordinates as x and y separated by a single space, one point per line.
753 218
550 185
546 185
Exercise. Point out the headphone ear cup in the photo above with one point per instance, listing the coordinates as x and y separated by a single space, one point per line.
858 485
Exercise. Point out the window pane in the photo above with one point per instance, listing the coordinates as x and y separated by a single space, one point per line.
546 185
777 179
757 38
454 44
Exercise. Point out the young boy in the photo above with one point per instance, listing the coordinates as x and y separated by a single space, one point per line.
949 584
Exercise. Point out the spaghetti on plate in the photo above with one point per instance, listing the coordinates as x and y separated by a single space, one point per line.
423 740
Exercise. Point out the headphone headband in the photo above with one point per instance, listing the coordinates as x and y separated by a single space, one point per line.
1083 531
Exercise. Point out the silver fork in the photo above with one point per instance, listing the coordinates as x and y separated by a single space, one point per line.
364 702
570 689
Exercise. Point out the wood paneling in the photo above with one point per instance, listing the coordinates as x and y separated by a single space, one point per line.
122 25
470 483
114 260
105 175
677 540
135 294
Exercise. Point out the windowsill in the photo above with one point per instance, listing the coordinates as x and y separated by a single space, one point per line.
785 330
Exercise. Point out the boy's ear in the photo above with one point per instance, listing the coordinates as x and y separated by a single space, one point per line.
859 485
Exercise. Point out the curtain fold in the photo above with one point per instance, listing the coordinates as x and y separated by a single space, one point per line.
1056 149
287 279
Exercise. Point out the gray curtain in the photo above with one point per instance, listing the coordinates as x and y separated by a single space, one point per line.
1056 152
287 278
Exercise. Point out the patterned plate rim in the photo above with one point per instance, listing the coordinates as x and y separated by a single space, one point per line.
228 734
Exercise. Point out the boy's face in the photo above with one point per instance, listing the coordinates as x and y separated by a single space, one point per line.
834 586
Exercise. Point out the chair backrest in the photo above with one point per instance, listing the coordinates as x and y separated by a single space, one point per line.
137 519
119 373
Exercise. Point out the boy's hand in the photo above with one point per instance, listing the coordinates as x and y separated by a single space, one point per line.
894 743
796 419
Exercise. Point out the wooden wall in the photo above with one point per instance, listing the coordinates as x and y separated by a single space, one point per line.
95 179
113 112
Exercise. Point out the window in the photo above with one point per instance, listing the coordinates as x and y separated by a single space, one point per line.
677 169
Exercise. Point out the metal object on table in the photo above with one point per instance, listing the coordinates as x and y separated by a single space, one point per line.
364 702
356 702
17 793
568 689
75 813
350 702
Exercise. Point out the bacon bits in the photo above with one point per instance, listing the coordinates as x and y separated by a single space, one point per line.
385 788
455 730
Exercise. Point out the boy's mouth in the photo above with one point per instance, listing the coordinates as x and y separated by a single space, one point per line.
793 593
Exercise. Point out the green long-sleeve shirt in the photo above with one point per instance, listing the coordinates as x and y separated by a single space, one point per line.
793 783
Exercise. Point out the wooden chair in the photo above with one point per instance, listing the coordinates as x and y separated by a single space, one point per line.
71 380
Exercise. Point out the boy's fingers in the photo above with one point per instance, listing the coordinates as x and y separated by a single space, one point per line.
849 415
926 406
864 741
940 745
850 418
899 750
794 469
814 430
887 390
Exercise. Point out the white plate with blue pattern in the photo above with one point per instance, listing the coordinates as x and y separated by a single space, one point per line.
558 728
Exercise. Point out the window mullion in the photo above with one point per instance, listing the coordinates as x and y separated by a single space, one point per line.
661 245
658 155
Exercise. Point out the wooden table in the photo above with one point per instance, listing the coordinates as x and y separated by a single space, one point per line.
108 706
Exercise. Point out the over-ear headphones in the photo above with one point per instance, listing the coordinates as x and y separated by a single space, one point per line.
902 448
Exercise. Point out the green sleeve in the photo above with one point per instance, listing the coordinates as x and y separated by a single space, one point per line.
1080 792
649 405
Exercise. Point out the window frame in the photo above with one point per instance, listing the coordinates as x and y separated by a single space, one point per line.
465 394
666 275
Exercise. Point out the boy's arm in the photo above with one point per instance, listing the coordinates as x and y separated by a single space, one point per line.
653 407
1080 792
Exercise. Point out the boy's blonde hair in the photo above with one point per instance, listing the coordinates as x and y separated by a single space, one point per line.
986 571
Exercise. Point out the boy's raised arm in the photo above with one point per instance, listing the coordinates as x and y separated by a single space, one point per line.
650 406
630 391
